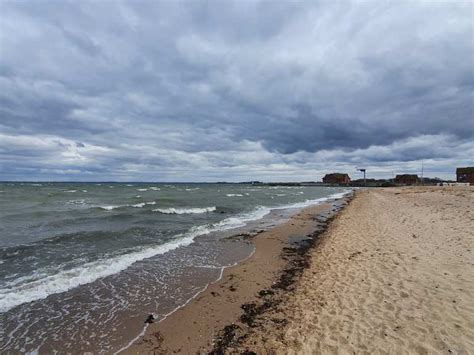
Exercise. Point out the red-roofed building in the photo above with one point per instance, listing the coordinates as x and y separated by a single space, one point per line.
337 178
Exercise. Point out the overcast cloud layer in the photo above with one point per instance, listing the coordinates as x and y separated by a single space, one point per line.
245 90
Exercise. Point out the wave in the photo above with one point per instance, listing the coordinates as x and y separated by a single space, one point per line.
234 195
14 295
307 203
110 208
142 204
185 210
137 205
261 211
43 284
76 202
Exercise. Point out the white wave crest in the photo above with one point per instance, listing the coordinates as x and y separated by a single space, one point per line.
315 201
142 204
234 195
44 285
136 205
109 208
185 210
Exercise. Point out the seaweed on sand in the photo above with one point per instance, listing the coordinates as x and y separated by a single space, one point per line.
297 258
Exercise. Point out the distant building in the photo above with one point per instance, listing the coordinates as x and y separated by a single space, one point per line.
465 175
406 179
336 178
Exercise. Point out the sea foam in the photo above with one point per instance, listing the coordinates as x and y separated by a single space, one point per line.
18 293
185 210
109 208
136 205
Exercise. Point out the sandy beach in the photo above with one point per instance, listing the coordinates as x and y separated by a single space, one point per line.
210 320
393 273
236 177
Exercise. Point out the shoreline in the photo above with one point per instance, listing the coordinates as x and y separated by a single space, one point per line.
394 274
104 315
143 332
202 323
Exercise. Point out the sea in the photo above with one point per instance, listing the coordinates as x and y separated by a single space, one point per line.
82 265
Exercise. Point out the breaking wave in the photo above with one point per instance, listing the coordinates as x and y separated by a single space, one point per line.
185 210
42 284
137 205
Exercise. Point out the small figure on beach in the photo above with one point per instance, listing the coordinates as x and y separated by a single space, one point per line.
150 319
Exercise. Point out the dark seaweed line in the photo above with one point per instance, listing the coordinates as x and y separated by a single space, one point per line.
298 259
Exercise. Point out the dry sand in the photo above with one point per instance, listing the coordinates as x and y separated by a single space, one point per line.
395 274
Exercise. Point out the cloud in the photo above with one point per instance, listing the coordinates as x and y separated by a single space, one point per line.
237 90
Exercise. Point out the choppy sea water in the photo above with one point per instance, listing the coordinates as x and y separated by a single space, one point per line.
83 264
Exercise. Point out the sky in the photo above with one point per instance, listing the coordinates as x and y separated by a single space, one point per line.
234 90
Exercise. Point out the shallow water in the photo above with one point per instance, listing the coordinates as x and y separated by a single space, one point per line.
83 264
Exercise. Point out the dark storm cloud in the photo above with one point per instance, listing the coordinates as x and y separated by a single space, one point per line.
229 90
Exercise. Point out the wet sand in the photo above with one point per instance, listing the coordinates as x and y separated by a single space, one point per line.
211 320
393 273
